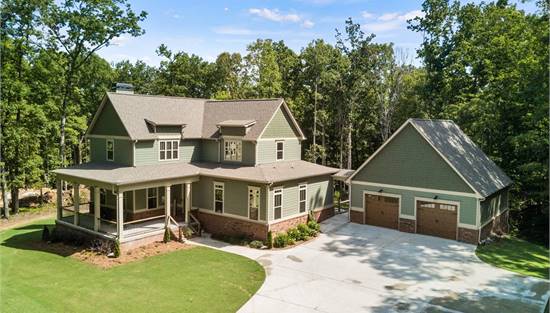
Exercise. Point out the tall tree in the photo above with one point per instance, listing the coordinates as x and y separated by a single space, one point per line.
262 69
81 28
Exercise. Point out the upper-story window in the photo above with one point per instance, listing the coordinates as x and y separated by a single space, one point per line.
280 150
110 150
302 201
169 150
233 150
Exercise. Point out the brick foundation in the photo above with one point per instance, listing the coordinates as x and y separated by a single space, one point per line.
356 217
407 225
499 225
468 235
323 214
224 225
286 224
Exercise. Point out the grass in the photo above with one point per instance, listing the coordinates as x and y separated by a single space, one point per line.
191 280
516 255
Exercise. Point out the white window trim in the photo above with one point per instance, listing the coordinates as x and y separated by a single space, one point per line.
239 155
107 150
304 187
259 201
277 150
171 150
277 191
214 196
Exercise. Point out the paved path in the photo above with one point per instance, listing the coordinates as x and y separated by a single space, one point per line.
359 268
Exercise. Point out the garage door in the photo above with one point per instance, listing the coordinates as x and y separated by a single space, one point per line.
436 219
382 211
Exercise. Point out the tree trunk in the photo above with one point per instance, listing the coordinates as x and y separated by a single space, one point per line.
315 124
15 200
323 140
5 198
350 128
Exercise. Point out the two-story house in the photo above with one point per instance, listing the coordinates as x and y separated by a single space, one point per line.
155 161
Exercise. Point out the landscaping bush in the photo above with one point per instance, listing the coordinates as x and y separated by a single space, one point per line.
166 235
281 240
269 240
116 249
314 225
304 230
256 244
46 234
294 234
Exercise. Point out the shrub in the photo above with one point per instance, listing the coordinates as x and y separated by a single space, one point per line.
269 240
116 249
304 230
314 226
166 237
46 234
291 241
294 234
281 240
310 216
256 244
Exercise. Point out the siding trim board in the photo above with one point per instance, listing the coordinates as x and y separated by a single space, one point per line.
448 192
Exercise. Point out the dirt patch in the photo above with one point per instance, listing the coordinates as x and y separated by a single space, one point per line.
27 217
139 253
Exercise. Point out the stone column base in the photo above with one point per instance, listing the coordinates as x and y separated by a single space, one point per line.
407 225
356 217
468 235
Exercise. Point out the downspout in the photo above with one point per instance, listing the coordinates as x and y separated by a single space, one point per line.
267 206
134 153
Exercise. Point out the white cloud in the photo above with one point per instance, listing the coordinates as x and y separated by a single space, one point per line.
308 24
226 9
119 41
381 27
391 21
275 15
400 17
367 15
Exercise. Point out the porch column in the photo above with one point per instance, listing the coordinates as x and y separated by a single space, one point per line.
76 202
97 208
59 199
120 215
167 206
187 201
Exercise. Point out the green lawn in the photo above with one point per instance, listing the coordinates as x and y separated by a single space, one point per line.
192 280
516 255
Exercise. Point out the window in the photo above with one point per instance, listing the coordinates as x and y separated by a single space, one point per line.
169 150
303 197
110 147
232 150
277 203
280 150
152 198
253 203
427 205
218 197
447 207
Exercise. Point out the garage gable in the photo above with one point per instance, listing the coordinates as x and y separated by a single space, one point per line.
407 159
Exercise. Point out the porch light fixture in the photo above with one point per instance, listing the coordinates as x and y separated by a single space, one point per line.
380 190
435 198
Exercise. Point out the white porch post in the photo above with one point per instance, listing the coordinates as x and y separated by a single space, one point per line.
187 201
120 215
167 206
59 199
76 202
97 208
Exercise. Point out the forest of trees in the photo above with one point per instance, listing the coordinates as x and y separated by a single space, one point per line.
485 66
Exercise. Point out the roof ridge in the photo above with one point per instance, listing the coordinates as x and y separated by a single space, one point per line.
432 119
243 100
155 96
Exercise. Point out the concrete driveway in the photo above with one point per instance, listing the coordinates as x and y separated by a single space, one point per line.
359 268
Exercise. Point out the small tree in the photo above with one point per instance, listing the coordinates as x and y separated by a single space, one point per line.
116 249
269 241
166 235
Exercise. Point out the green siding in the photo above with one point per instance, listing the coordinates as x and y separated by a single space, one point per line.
140 198
494 205
108 123
209 151
233 131
123 151
147 152
408 160
319 195
468 205
235 196
267 151
280 126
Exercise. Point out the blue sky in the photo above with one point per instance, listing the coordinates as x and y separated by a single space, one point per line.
207 28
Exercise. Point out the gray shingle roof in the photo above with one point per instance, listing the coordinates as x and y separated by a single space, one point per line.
110 173
463 154
200 116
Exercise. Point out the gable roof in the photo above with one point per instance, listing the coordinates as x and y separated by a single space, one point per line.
201 117
460 152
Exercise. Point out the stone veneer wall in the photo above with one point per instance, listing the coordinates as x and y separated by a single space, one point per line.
407 225
356 217
468 235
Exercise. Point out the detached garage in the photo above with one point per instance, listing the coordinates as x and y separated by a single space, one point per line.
430 178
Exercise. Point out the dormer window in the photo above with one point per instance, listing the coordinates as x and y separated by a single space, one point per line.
110 150
280 150
233 150
169 150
